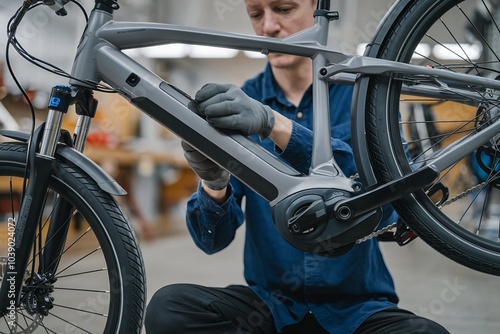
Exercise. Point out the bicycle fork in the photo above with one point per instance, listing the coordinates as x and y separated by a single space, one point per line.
40 164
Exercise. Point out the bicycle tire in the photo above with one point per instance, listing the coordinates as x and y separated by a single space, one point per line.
452 227
100 285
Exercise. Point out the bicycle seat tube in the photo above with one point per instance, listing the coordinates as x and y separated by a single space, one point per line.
322 161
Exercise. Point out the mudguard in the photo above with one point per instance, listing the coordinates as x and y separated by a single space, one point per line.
358 121
103 180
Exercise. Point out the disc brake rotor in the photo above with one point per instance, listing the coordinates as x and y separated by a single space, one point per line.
19 321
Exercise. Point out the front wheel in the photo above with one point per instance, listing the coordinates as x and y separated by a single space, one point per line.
460 214
99 283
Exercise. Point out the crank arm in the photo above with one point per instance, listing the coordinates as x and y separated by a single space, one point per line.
348 209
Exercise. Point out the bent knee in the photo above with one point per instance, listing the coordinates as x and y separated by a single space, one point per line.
167 310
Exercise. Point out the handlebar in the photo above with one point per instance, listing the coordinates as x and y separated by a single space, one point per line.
57 6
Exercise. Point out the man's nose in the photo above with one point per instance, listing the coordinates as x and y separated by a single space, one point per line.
271 25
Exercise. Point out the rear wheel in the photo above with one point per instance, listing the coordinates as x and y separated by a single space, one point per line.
460 214
99 284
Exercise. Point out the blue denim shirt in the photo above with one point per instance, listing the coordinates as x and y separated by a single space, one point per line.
341 292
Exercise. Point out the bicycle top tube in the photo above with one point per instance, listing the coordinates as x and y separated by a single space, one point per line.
101 28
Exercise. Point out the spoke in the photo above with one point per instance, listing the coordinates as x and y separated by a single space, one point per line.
460 130
442 135
484 207
421 154
7 324
82 290
47 241
78 239
434 61
41 323
38 236
475 66
70 323
73 243
432 122
491 16
80 259
82 310
459 221
24 318
459 45
83 273
46 329
446 48
479 33
467 61
19 313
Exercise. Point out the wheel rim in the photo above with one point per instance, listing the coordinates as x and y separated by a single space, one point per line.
431 124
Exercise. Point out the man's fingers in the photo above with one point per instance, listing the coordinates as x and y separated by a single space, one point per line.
221 109
227 122
186 147
210 90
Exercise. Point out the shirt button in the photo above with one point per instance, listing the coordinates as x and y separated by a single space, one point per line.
210 231
299 114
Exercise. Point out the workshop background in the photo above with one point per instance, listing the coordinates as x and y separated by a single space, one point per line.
148 162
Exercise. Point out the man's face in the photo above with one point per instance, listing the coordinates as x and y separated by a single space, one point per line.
280 18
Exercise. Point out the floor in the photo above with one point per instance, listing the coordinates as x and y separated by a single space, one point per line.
462 300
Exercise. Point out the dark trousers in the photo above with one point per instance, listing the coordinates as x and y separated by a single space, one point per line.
188 308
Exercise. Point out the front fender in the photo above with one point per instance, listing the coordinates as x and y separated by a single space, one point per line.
103 180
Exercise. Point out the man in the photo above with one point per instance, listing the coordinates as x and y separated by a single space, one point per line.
288 291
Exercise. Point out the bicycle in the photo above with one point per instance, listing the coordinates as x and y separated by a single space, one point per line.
324 212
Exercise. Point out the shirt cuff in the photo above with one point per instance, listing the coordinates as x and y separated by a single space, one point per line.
209 206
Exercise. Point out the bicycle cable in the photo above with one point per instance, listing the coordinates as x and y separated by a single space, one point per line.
11 30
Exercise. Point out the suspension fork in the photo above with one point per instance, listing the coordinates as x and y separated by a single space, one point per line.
40 164
62 212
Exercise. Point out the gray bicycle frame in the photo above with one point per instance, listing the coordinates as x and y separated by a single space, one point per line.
100 58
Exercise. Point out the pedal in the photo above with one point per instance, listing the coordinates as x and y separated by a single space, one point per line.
438 193
404 235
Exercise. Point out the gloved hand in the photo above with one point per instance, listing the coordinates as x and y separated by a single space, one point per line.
228 107
211 174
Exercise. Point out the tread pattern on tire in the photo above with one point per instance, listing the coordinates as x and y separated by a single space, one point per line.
120 232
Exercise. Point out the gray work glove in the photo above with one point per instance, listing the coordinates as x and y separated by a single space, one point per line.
211 174
228 107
